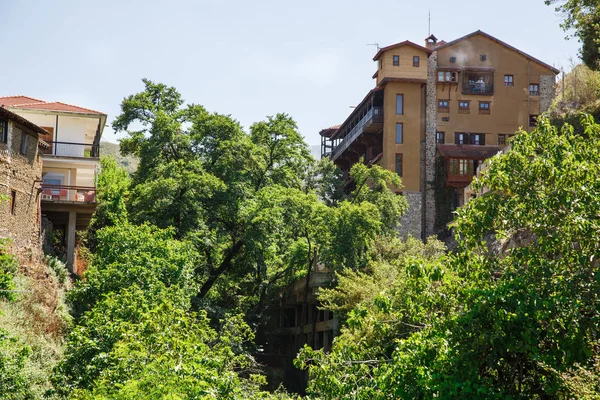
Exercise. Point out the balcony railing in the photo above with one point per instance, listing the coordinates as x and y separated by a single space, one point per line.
71 194
70 149
355 132
477 88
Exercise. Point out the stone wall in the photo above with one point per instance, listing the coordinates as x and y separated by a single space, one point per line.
410 223
20 174
428 189
547 91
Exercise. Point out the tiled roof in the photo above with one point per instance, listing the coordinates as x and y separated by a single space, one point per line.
328 131
468 151
24 102
9 101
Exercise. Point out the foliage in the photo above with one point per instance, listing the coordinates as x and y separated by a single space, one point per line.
581 90
13 357
128 163
521 323
584 17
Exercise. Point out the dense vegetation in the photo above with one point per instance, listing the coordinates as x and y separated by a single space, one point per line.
189 252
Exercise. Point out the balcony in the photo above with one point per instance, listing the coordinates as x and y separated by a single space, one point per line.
370 123
478 82
70 149
68 194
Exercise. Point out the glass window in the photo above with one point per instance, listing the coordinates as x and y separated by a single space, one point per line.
415 61
396 60
399 164
441 76
399 133
501 139
399 104
440 137
477 138
3 131
534 89
509 80
24 140
463 105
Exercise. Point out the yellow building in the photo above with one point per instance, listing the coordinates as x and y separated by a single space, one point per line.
436 112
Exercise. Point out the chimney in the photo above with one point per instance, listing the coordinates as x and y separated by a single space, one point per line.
431 42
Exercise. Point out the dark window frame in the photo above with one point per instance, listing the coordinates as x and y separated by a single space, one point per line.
464 140
452 60
482 57
461 106
503 137
443 105
402 108
401 133
533 120
399 164
477 139
13 201
440 137
396 60
509 80
24 143
416 61
485 107
4 133
534 89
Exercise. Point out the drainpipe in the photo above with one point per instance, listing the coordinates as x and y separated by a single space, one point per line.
55 135
528 97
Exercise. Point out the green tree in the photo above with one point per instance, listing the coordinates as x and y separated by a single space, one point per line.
583 16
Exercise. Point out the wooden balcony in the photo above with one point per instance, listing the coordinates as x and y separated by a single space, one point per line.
372 122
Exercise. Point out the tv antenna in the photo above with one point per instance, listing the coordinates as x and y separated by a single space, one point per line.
429 25
374 44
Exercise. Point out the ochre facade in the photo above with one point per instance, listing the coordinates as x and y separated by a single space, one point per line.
461 103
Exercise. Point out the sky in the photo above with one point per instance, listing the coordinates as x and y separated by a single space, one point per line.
248 59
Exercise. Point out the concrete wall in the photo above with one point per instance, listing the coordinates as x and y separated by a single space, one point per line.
19 173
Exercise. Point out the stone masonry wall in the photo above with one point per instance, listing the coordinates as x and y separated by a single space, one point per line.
547 91
430 147
410 223
19 173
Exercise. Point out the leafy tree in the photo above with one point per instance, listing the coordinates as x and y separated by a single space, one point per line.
584 17
518 322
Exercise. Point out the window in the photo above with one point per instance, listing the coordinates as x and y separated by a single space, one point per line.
396 60
452 60
477 139
399 164
463 107
509 80
446 76
399 104
24 140
534 89
443 106
484 107
13 201
461 167
415 61
533 120
501 139
440 137
399 133
3 131
461 138
482 57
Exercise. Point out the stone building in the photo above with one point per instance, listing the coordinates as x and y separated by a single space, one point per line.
436 112
20 179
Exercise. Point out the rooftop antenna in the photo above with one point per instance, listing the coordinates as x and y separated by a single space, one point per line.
374 44
429 25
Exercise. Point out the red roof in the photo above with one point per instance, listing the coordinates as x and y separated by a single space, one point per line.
24 102
405 43
329 131
9 101
468 151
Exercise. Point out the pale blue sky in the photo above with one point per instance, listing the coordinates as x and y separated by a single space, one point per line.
249 59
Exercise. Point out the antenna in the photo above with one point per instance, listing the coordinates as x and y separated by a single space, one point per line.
429 25
374 44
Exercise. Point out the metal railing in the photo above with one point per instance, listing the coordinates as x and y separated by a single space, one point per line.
355 132
70 149
477 88
64 193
